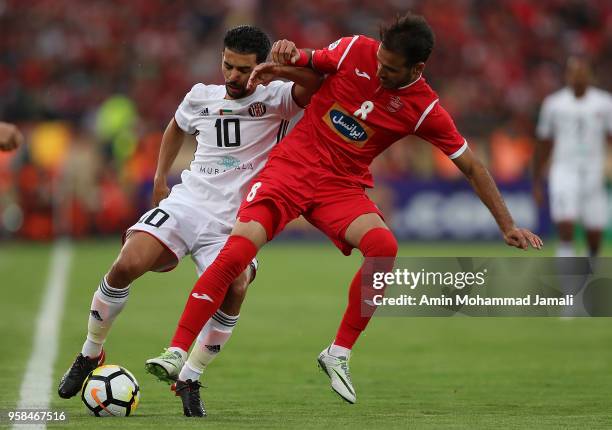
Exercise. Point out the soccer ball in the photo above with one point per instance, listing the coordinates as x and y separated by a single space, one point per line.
111 391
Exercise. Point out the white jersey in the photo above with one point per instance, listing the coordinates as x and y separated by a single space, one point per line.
234 138
578 127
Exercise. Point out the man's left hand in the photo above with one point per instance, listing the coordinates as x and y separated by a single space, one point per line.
522 238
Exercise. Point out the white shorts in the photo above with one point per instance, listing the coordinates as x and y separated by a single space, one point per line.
184 226
578 196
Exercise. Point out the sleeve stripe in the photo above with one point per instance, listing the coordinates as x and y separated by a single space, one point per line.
460 151
282 130
348 48
425 113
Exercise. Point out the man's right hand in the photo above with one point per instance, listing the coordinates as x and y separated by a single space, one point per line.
10 137
284 52
160 191
263 74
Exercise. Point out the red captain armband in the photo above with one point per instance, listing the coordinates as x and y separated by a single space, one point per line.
303 60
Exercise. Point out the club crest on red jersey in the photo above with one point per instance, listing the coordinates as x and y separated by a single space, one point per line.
257 109
349 128
394 104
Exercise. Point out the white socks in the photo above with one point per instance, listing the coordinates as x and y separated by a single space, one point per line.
211 339
106 304
339 351
189 373
565 249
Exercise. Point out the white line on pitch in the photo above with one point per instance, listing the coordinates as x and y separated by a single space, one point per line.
35 390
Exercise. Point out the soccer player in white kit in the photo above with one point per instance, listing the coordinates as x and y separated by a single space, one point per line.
235 129
574 124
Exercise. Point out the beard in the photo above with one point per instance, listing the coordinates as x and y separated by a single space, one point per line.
235 92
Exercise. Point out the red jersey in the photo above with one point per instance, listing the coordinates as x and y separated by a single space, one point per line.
352 118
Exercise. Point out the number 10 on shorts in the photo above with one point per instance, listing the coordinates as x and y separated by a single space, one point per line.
253 191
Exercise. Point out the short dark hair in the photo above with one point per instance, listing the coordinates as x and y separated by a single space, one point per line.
246 39
409 36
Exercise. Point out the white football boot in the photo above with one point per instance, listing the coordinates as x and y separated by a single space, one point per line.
166 367
337 369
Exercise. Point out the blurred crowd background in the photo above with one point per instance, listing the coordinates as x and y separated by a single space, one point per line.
92 84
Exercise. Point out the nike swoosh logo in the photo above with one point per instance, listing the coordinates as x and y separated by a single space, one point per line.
362 74
344 382
202 297
171 364
94 394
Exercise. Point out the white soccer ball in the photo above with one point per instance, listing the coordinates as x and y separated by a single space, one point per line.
111 391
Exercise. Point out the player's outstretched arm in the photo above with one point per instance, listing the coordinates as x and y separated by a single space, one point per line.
170 145
10 137
485 188
307 81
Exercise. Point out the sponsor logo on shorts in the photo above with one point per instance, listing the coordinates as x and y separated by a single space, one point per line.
349 128
257 109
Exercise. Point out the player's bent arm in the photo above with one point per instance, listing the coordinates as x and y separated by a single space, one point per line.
307 82
484 186
171 143
326 60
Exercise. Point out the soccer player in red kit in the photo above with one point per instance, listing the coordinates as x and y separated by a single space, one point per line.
373 94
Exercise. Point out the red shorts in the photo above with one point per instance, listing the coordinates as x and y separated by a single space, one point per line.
290 189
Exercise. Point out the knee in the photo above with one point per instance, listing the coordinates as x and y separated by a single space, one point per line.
378 242
125 269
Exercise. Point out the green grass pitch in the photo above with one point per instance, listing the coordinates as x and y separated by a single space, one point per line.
421 373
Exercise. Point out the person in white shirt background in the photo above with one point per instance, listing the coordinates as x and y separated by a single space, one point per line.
573 128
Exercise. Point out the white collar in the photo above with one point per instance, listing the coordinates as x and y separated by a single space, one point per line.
413 82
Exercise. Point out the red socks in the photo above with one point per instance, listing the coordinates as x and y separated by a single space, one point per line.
378 242
209 291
